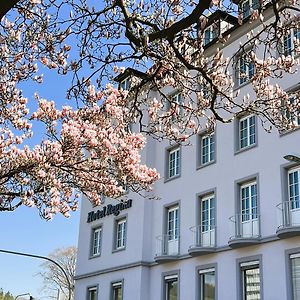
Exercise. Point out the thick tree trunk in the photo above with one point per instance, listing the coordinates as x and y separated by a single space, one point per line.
6 5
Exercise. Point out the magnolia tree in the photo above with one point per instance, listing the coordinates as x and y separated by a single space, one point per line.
88 147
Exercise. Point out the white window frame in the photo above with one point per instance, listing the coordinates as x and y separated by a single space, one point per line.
293 119
96 241
170 279
178 99
125 84
90 290
251 211
288 42
213 30
251 4
294 200
248 68
202 274
116 286
121 232
208 223
210 146
247 266
174 163
248 131
173 223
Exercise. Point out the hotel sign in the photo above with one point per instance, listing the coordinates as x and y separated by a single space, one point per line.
108 210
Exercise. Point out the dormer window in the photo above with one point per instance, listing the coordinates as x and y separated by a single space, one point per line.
211 33
248 5
125 84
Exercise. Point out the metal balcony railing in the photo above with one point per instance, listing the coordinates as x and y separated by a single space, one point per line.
288 214
245 226
167 245
204 236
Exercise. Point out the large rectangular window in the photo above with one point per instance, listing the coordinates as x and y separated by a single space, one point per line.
245 69
121 233
290 41
207 148
207 284
171 287
247 131
247 6
117 291
96 241
174 162
211 33
251 280
207 213
293 188
290 114
92 293
295 274
248 198
173 223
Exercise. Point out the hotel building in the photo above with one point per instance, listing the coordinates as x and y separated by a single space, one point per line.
227 224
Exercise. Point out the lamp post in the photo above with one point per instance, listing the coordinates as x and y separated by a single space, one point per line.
26 294
44 258
292 158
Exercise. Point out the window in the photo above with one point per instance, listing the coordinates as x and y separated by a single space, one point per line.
295 274
125 84
293 188
289 113
247 6
174 163
207 284
92 293
211 33
248 201
289 43
121 234
117 291
171 287
96 241
244 68
207 148
250 280
178 100
247 131
207 213
173 223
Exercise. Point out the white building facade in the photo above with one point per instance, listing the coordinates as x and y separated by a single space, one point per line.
227 225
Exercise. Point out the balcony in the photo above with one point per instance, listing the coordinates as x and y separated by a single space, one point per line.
204 240
246 230
289 219
167 248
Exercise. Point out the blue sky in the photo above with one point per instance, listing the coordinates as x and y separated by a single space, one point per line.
23 230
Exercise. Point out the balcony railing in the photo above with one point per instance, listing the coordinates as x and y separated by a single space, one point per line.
245 228
288 218
167 247
204 238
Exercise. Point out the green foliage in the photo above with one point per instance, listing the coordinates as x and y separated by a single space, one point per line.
6 296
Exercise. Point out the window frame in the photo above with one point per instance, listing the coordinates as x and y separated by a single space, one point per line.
126 82
250 208
115 285
238 137
244 79
92 288
294 33
293 120
289 275
201 274
211 136
297 202
169 152
98 228
244 263
170 277
214 33
251 7
211 220
173 232
120 220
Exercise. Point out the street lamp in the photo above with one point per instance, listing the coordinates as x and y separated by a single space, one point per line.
45 258
26 294
292 158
